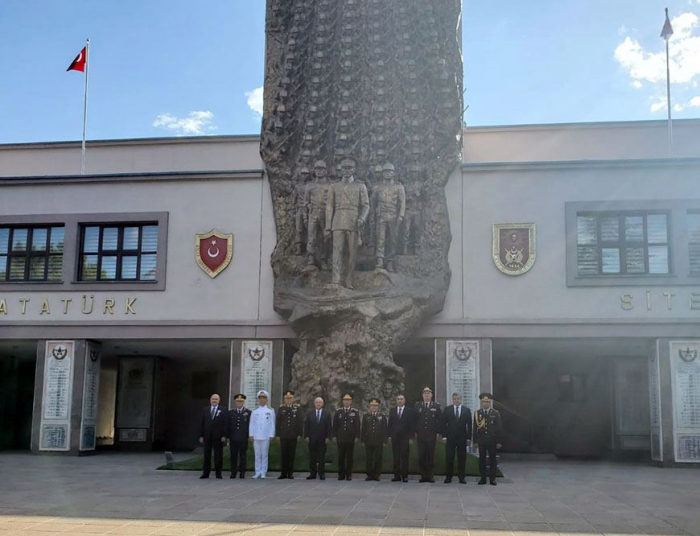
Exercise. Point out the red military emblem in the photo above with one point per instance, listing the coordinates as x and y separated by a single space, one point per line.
213 252
514 249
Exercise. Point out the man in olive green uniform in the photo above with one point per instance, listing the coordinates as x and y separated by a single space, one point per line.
428 415
290 425
346 430
346 212
374 435
487 435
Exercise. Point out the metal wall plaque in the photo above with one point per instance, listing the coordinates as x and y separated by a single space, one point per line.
133 435
685 386
135 393
514 247
656 435
91 392
57 395
462 365
256 369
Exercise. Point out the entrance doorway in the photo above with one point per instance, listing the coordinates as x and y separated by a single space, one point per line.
417 358
17 371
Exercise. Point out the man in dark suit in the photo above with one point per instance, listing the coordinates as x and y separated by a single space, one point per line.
318 428
290 425
213 435
237 433
487 436
400 434
346 430
456 432
428 425
374 434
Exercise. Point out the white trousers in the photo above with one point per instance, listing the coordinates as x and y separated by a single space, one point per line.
261 448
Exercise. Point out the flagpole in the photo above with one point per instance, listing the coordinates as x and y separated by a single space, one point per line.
85 105
668 101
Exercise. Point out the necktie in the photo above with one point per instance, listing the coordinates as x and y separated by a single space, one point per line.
400 412
318 415
457 411
213 409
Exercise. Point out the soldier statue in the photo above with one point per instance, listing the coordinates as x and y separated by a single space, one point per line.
410 233
315 196
346 212
389 201
301 216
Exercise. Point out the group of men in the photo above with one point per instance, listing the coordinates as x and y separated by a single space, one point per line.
424 423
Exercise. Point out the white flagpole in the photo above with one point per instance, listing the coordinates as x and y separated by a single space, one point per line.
668 100
85 105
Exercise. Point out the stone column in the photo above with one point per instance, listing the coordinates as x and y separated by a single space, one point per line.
66 389
461 351
253 369
678 375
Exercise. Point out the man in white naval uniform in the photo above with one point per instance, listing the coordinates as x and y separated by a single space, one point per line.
262 428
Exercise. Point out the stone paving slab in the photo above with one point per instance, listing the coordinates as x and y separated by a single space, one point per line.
121 493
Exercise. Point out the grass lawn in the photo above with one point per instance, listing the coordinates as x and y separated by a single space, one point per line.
301 463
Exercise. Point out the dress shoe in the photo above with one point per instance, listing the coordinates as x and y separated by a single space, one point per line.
422 480
405 479
290 477
219 477
341 478
482 482
348 478
233 475
322 477
493 482
281 477
204 476
313 477
396 479
431 480
448 480
377 479
242 475
368 479
462 481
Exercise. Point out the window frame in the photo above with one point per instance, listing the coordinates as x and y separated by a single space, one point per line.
689 242
119 252
622 244
677 240
28 254
71 249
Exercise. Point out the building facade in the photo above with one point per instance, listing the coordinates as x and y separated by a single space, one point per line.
586 326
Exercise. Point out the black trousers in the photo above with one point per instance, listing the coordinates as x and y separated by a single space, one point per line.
317 457
239 451
288 449
426 458
218 447
400 448
373 458
489 448
346 455
452 447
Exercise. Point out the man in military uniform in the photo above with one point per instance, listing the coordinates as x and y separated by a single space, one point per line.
237 433
487 434
301 216
346 212
389 202
315 198
428 426
290 425
374 436
346 430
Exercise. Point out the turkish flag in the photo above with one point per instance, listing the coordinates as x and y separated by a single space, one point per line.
78 63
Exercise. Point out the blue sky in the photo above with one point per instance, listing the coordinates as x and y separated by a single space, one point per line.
178 67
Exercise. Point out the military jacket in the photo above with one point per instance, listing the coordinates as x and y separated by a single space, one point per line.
428 420
374 429
389 201
346 425
315 198
290 422
347 202
238 424
487 426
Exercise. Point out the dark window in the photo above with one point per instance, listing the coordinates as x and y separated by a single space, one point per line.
118 252
31 253
622 243
694 242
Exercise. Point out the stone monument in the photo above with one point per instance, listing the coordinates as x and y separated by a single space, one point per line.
368 95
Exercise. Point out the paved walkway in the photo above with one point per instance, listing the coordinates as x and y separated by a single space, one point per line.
122 494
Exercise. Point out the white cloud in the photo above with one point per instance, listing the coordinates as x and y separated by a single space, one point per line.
692 103
637 84
659 105
255 100
195 123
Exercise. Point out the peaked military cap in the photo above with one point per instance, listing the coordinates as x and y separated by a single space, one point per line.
240 397
289 394
262 393
375 401
347 396
485 396
427 390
